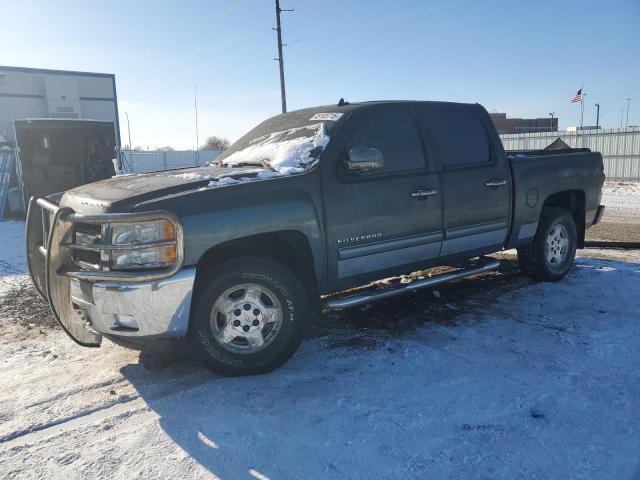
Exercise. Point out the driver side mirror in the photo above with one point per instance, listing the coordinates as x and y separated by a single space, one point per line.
363 160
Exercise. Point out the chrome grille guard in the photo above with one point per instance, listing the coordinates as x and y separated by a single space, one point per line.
51 267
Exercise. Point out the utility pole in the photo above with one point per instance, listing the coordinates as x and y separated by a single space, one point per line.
621 116
551 114
280 58
627 124
597 115
129 130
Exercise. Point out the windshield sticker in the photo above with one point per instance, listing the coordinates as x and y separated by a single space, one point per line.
332 116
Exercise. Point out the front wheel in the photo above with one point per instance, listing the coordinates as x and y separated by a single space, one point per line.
249 316
553 250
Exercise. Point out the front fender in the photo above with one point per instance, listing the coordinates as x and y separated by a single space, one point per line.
206 230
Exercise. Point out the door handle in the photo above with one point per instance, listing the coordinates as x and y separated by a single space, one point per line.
497 182
422 194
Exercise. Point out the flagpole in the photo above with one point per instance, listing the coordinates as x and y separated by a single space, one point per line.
581 106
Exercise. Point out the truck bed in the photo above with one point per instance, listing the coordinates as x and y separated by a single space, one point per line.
577 170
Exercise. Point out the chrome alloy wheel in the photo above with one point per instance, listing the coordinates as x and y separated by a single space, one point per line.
557 245
246 318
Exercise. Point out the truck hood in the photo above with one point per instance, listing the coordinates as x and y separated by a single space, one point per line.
132 189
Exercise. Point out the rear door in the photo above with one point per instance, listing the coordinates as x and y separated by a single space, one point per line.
388 219
475 180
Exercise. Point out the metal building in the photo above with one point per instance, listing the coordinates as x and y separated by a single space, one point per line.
39 93
523 125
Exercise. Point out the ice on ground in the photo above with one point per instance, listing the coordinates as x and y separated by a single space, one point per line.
621 188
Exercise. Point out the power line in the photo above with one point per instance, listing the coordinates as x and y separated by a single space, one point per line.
446 10
389 25
214 15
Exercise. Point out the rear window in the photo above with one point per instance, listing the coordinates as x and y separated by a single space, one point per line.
461 138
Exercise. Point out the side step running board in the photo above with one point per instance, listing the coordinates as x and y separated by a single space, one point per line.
340 303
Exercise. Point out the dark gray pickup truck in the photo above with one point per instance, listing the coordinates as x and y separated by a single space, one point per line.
238 256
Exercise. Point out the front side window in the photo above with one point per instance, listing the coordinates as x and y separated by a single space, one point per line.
396 136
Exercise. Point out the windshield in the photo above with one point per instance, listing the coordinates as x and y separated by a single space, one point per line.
287 144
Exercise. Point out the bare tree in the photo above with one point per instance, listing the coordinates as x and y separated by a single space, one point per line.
215 143
166 149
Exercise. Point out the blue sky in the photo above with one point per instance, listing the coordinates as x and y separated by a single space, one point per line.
525 58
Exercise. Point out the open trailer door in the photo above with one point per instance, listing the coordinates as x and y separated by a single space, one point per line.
59 154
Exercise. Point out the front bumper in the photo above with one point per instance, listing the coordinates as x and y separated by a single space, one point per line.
88 303
146 309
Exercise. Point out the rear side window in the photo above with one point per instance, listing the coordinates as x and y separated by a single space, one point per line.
396 136
461 138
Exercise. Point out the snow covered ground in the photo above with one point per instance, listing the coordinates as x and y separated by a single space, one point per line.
493 377
621 195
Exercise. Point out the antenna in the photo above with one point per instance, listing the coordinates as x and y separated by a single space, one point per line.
195 106
129 130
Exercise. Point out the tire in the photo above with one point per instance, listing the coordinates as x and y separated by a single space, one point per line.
550 256
248 317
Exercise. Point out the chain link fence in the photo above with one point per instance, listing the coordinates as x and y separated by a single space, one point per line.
143 162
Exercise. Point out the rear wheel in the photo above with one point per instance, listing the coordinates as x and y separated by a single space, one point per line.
553 250
249 316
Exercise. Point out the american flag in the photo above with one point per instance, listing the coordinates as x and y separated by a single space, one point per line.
577 97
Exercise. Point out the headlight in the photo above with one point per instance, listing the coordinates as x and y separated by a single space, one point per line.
143 232
163 254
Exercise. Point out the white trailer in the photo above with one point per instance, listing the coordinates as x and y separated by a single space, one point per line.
40 93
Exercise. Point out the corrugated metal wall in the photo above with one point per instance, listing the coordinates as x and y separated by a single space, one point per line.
143 162
620 147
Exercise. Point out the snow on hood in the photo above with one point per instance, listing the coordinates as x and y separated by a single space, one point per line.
229 178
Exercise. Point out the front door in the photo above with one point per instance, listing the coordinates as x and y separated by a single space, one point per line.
386 220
